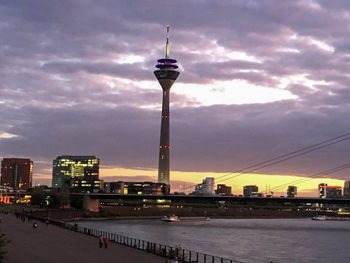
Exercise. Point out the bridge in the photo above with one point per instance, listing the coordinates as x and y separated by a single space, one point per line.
91 200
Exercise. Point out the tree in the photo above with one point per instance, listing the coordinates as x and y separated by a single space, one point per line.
59 197
38 197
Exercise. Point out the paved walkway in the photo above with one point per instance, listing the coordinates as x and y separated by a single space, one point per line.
57 245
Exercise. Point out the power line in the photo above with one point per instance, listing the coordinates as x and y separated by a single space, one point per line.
286 157
313 176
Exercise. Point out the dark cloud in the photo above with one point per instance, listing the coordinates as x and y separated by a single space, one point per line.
67 86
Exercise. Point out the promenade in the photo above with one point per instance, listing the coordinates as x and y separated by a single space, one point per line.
56 245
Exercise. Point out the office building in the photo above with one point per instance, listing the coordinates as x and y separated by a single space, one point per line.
136 188
207 187
17 173
292 191
166 76
82 185
114 187
80 172
250 191
322 190
346 193
327 191
146 188
223 189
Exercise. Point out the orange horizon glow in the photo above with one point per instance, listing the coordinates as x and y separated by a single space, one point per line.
185 181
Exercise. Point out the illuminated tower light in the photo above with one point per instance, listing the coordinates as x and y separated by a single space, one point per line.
166 75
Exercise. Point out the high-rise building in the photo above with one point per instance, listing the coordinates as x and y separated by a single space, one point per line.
207 187
223 189
80 172
17 173
166 76
250 191
346 193
292 191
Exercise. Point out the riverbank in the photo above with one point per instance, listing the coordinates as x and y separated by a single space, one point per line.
56 245
115 213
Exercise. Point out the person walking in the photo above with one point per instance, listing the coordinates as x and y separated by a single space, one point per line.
106 241
101 241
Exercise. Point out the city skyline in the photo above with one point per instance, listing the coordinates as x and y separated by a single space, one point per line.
255 83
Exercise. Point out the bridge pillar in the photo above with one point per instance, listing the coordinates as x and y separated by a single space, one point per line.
90 204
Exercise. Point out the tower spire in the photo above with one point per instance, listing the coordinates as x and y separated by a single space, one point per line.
167 42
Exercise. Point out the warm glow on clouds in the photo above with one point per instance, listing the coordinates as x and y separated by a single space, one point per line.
5 135
235 91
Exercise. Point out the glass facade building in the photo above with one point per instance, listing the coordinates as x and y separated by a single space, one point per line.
79 172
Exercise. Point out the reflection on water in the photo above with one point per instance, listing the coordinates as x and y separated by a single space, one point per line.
248 240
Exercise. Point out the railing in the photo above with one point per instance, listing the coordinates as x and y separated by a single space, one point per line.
183 255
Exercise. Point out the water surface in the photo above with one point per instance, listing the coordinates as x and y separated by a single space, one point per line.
247 240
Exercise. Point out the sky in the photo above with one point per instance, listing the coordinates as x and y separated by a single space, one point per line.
258 78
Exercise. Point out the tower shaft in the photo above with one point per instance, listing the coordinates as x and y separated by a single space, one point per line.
164 146
166 79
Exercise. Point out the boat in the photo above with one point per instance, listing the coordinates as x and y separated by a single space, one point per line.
330 218
172 218
319 218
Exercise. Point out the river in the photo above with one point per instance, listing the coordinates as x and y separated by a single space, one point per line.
247 240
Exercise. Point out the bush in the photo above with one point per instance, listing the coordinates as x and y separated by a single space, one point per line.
3 242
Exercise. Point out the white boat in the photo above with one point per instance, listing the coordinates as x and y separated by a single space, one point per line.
319 218
330 218
172 218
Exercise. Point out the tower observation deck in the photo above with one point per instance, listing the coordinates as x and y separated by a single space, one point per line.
166 75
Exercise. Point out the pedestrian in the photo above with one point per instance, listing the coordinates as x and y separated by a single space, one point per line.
47 222
106 241
35 225
173 259
101 241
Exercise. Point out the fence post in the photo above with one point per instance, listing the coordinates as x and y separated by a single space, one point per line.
205 258
190 256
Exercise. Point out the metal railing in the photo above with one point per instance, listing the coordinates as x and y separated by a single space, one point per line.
183 255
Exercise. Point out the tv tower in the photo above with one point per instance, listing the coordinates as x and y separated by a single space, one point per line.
166 75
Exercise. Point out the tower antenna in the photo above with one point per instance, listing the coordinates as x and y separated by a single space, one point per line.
167 42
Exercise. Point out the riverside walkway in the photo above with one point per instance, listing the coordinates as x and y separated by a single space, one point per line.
56 245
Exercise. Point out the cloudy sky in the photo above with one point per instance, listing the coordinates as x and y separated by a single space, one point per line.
258 79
